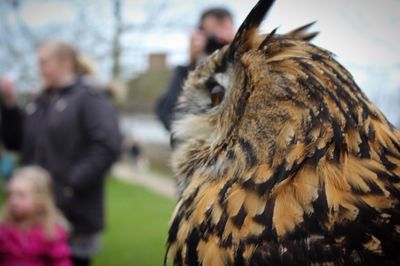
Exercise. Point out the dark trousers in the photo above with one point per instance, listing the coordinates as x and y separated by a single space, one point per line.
80 261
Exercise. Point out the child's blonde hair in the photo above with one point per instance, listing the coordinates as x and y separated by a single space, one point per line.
49 216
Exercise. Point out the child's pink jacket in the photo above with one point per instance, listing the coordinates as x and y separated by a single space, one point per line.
33 248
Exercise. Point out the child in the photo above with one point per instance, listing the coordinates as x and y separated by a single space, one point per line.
32 231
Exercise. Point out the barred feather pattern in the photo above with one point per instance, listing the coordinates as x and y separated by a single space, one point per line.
295 167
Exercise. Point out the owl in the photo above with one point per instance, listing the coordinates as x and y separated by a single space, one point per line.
282 159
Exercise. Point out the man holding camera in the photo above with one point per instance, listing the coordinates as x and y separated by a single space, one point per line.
215 30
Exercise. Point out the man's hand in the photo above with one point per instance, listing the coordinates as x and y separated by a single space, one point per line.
8 92
198 41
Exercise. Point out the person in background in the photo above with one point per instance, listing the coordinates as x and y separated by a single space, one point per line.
7 164
7 161
215 30
70 129
32 231
9 114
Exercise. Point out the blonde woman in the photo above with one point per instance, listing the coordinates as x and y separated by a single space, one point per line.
70 129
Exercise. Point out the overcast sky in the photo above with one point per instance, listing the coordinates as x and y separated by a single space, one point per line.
364 34
359 31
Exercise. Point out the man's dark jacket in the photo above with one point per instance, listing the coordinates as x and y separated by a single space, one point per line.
73 133
166 104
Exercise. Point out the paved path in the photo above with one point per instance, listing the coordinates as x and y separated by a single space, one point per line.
157 183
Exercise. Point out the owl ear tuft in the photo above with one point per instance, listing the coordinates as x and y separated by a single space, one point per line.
249 29
265 42
302 33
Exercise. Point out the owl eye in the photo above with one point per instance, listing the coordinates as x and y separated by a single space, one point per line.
217 95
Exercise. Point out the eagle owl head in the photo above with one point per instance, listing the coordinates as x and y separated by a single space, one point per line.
261 99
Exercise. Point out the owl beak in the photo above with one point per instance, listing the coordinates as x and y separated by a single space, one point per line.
249 29
174 141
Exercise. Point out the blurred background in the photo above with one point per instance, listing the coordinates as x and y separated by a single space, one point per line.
135 44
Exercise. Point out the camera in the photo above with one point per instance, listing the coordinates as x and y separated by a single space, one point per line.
213 44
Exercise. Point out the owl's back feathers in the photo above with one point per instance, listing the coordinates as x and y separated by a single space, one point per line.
305 170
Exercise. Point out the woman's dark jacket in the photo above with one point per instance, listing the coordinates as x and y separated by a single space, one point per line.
74 134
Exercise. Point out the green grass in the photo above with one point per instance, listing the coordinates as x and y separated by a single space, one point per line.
137 226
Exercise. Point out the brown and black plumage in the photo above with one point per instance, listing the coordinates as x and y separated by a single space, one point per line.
282 160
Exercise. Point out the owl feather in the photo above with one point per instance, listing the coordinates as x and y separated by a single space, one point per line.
295 166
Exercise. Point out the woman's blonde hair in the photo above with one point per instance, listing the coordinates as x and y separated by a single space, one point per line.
63 50
48 216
